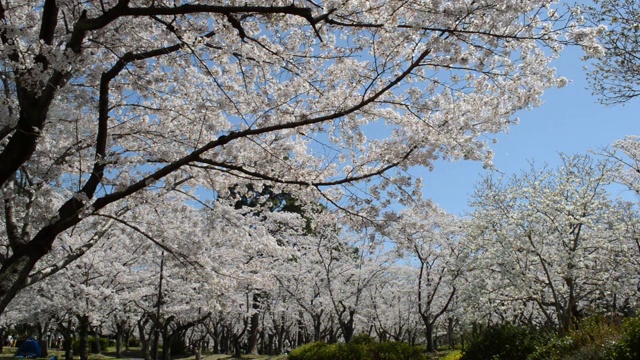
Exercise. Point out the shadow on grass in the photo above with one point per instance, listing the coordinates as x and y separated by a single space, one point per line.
135 353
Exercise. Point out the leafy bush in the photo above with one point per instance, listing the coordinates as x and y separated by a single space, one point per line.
362 348
394 351
454 355
91 345
594 339
315 351
506 342
178 347
134 341
628 347
362 339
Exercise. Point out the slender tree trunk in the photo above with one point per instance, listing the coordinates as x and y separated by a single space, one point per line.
224 340
450 333
68 341
347 326
237 351
96 336
270 339
300 328
280 333
119 335
167 341
44 342
429 334
317 326
215 335
197 352
144 341
254 325
83 333
127 336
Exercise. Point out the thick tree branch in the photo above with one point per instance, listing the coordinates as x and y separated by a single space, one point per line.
49 21
74 255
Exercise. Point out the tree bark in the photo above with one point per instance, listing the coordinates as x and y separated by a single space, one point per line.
119 335
83 333
96 336
252 347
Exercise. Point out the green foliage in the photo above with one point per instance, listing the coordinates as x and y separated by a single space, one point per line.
178 347
597 338
454 355
312 351
362 339
590 341
134 342
361 348
395 351
91 345
628 347
506 342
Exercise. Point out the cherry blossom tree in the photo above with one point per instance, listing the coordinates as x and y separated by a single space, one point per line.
107 103
553 238
615 76
429 236
392 305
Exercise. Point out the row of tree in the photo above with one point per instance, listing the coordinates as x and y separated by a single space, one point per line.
543 248
235 172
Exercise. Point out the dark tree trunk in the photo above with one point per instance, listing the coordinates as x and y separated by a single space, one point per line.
252 347
43 338
237 350
280 333
317 326
68 341
144 340
215 336
167 341
225 339
270 339
96 336
300 328
450 333
347 326
120 329
83 333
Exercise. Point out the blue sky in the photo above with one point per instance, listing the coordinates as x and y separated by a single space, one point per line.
570 121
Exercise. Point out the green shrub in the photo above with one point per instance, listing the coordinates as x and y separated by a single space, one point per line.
628 347
134 341
315 351
363 348
91 345
362 339
506 342
454 355
395 351
557 348
597 337
178 347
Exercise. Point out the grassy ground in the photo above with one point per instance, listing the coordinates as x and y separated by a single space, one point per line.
110 353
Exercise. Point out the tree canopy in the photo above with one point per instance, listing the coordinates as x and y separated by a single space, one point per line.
111 105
